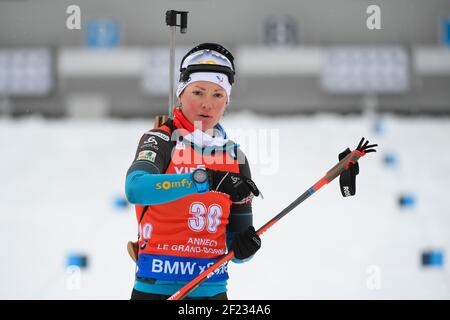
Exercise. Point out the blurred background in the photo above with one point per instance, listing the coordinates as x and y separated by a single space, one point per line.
80 82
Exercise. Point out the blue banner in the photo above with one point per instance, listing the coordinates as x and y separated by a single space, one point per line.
177 268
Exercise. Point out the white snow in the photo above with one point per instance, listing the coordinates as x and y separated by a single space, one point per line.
59 178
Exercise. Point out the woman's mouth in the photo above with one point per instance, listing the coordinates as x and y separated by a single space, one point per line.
205 116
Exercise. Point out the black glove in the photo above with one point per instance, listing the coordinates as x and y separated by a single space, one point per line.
246 243
347 179
236 185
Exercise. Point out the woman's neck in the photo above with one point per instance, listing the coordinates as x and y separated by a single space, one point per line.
180 121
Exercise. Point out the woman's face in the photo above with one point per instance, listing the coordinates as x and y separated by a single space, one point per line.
203 102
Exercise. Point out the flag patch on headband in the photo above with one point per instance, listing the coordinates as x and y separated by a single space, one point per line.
209 61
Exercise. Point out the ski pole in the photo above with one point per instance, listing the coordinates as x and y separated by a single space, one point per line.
334 172
171 21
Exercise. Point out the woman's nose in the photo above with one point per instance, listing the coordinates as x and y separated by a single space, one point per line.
207 104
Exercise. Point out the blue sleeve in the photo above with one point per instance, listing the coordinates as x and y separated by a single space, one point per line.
146 183
145 188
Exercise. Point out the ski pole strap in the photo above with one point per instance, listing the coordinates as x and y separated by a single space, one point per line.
343 165
336 171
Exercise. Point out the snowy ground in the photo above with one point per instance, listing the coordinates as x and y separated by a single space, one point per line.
58 181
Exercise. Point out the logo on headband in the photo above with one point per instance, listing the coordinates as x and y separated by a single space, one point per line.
219 78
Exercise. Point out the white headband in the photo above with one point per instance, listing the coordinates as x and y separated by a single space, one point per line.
217 78
207 57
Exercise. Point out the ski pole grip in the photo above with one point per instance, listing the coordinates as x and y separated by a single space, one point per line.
342 165
183 21
171 19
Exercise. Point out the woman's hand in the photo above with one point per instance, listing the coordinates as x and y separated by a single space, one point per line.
236 185
246 243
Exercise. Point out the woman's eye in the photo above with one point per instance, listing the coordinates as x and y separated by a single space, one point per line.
218 95
197 93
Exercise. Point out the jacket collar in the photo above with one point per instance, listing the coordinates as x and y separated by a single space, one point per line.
196 136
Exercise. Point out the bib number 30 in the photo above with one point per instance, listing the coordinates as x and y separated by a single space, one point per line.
203 217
